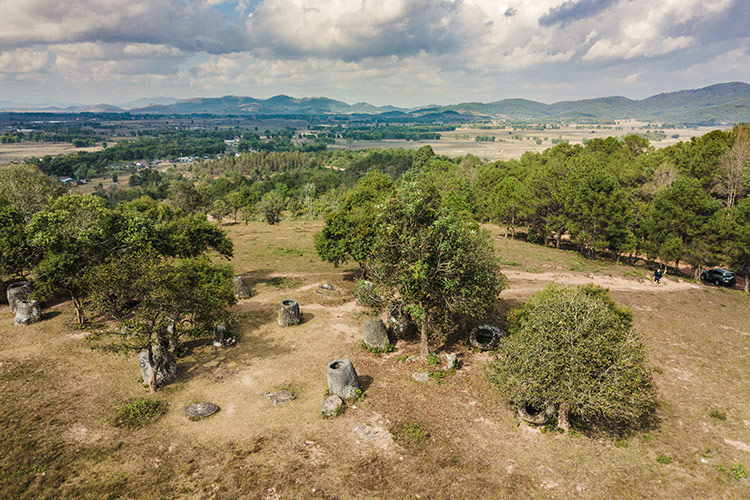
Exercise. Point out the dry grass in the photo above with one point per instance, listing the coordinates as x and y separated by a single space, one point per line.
17 152
59 400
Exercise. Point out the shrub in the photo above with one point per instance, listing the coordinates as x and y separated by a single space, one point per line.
368 295
575 349
140 412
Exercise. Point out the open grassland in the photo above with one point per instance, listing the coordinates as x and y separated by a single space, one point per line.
10 153
60 400
513 143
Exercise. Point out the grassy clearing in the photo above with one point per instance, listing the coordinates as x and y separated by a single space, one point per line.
59 399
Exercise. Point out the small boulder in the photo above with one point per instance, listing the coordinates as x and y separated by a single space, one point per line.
327 286
280 397
331 405
27 312
164 364
420 376
241 291
451 361
375 334
201 410
289 313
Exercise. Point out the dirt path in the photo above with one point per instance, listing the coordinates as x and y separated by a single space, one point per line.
522 283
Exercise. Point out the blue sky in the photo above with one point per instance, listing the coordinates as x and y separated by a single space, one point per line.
401 52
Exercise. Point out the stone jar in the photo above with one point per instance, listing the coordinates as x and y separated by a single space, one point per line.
289 313
17 292
27 312
342 379
375 334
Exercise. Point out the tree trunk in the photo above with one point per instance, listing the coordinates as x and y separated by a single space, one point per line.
747 281
78 308
424 347
563 417
558 238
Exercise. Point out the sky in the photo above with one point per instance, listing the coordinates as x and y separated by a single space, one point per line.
401 52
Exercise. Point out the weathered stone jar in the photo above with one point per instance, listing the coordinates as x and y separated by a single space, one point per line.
289 313
17 292
342 379
27 312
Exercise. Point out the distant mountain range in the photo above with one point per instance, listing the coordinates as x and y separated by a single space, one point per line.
723 103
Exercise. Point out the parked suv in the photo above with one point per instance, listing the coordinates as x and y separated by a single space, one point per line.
719 277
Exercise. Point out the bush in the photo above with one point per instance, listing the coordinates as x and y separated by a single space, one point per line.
140 412
368 295
575 349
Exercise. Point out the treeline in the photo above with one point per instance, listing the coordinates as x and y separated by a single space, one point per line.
611 197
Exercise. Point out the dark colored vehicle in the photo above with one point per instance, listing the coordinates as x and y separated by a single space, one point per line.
719 277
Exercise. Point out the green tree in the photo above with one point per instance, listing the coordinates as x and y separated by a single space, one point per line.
74 234
349 232
679 218
441 267
575 349
271 205
28 189
739 239
157 299
16 255
509 203
597 210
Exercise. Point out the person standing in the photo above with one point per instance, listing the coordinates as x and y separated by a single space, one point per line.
657 276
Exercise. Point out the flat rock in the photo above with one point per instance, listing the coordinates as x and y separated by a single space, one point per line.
201 410
420 376
280 397
327 286
331 404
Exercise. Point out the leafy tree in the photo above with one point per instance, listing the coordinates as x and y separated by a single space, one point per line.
74 234
154 300
350 231
739 239
598 211
575 349
509 203
271 206
28 189
16 255
679 216
732 173
440 266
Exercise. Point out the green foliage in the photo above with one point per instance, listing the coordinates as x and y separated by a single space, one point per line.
271 206
368 295
140 413
432 359
157 298
16 255
664 459
736 471
27 189
349 232
440 266
718 415
377 350
574 346
410 434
